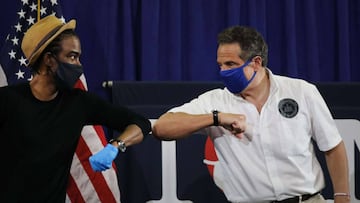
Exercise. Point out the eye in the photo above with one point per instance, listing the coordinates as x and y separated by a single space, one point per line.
230 64
73 57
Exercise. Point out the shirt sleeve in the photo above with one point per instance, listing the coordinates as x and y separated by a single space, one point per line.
204 103
324 128
113 116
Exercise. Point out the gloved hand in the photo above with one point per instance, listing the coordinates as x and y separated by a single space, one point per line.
103 159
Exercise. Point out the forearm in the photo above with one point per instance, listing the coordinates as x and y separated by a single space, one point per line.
337 164
131 135
178 125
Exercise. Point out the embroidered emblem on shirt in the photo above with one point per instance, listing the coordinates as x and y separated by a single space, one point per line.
288 108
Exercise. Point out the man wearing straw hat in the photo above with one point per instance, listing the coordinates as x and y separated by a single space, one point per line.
41 121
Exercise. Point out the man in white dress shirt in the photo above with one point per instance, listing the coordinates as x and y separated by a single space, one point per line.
263 127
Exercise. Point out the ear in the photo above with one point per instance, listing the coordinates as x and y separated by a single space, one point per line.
257 62
49 60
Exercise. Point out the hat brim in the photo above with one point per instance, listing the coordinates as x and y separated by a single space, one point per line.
68 26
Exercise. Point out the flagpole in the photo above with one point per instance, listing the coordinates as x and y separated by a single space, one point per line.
38 10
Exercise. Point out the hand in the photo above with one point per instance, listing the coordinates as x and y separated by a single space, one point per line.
235 123
103 159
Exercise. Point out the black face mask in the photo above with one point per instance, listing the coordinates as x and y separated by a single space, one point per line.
68 74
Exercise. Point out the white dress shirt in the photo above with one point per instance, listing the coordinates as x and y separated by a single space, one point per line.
276 160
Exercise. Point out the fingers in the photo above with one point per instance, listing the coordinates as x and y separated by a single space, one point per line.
98 165
235 123
226 119
102 160
239 135
238 127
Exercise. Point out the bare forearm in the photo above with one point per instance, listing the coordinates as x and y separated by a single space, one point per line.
178 125
131 135
337 164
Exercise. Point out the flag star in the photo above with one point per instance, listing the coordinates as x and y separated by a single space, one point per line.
18 27
12 54
20 74
22 61
25 2
31 20
33 7
53 2
63 19
15 41
7 37
43 10
22 14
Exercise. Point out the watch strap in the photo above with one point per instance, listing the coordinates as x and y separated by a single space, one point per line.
120 143
215 117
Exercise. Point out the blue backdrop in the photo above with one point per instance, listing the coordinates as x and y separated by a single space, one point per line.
152 40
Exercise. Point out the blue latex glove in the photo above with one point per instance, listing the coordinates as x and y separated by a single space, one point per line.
104 158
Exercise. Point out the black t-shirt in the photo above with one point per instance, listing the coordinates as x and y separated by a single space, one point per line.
38 139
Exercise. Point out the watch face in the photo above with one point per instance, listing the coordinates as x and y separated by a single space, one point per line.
122 146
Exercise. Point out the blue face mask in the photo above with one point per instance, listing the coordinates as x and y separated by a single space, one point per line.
235 80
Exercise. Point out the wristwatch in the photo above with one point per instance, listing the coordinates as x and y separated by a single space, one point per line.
215 117
121 144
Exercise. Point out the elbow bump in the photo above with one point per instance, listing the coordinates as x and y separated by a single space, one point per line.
155 131
159 134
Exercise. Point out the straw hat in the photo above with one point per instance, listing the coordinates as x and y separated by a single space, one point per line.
39 35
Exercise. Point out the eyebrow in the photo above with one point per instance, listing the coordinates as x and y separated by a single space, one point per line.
73 52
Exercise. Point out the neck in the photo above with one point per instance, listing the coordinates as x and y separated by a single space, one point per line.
259 89
43 87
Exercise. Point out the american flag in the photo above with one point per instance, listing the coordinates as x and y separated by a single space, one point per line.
84 184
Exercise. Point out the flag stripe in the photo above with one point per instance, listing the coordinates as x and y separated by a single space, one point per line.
73 191
87 192
96 178
3 81
99 130
80 84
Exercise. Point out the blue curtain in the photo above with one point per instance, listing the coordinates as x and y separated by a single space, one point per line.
162 40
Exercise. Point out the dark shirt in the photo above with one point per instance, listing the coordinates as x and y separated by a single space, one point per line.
39 139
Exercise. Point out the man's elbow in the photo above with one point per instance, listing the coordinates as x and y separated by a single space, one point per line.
160 133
